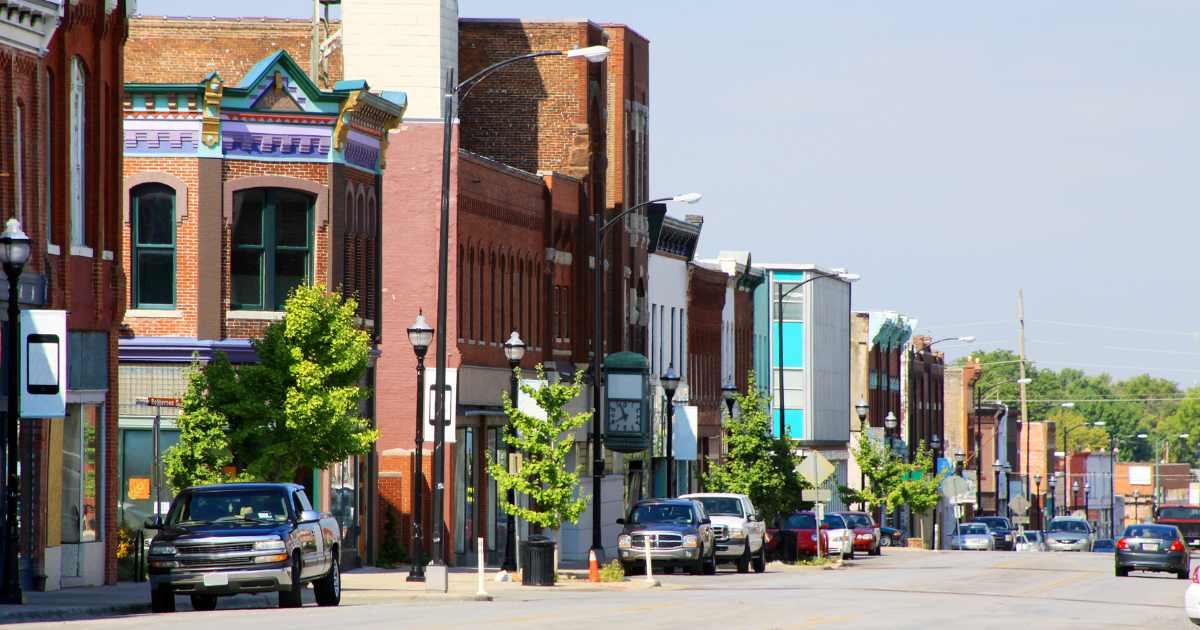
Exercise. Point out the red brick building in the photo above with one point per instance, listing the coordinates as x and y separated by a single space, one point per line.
236 190
61 162
707 294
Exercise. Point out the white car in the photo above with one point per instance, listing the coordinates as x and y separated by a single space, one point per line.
840 536
1191 599
739 530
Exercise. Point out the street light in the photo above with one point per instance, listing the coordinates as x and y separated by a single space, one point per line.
935 443
458 91
514 351
1087 498
959 457
1052 482
729 392
14 253
861 408
889 425
1074 496
420 334
840 274
670 382
1136 495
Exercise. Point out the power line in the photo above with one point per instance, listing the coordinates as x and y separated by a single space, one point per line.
1179 352
1079 400
1150 331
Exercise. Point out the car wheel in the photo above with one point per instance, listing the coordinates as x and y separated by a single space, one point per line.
886 541
294 597
760 561
162 601
743 562
328 590
699 568
875 551
1122 572
204 602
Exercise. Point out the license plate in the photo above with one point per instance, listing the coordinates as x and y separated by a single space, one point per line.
216 579
1149 546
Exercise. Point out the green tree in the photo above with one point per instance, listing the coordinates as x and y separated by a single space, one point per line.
921 487
1071 424
297 409
757 464
544 441
884 472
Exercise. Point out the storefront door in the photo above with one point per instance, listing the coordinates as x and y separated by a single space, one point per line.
82 546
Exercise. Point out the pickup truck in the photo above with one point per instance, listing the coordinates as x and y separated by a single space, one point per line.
1185 517
739 530
235 538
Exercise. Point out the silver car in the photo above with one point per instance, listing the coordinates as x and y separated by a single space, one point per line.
972 536
1067 533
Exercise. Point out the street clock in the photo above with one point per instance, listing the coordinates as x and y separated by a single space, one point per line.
627 402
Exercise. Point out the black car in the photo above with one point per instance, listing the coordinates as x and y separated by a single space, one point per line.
678 533
1152 548
890 537
1002 534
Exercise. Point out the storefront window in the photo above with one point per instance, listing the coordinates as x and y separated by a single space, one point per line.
343 499
81 474
136 501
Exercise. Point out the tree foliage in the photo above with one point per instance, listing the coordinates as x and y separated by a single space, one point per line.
757 464
921 487
544 442
883 470
298 408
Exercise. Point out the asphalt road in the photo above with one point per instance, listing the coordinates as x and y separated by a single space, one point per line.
904 589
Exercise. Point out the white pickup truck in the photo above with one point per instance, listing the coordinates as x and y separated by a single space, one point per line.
243 538
739 530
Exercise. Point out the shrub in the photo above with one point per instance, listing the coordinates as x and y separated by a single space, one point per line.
612 572
391 551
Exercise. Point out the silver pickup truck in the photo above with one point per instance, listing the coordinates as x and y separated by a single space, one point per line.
243 538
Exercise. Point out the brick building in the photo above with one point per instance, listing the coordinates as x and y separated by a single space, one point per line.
235 192
60 161
707 333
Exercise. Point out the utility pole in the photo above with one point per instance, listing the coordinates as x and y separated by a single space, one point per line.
1021 384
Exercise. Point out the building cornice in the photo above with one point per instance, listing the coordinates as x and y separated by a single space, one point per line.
28 25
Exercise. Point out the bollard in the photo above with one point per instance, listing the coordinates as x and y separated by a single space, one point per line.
481 595
650 581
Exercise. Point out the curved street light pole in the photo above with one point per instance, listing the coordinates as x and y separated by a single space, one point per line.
456 92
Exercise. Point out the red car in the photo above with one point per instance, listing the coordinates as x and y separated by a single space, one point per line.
866 533
795 534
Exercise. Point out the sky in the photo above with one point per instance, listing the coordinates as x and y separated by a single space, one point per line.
951 153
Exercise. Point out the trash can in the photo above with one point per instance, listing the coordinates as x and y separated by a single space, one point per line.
537 561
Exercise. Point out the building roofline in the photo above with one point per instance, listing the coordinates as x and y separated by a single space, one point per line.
626 27
215 18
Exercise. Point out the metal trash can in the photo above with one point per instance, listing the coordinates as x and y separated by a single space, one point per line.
537 561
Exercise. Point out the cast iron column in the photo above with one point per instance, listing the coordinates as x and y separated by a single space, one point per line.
417 573
510 539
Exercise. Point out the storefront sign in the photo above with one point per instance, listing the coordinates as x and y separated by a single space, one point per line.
44 364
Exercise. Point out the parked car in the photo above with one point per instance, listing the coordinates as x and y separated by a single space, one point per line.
1104 545
1152 547
890 537
243 538
972 537
1001 529
739 529
795 536
1191 598
1185 517
866 533
1068 533
678 532
1031 540
839 534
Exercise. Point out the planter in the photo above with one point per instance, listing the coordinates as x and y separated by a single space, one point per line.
916 543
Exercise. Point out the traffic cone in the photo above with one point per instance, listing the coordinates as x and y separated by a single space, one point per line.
593 567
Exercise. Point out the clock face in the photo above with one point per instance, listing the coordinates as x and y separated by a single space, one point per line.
625 416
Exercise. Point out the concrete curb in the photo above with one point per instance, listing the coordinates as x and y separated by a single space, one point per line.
73 613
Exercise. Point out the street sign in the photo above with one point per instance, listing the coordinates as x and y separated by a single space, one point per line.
958 490
1020 520
1018 504
815 468
159 401
817 495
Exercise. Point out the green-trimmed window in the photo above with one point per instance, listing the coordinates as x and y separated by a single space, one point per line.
272 246
153 218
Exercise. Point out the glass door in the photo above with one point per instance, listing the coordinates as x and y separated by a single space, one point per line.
80 492
464 495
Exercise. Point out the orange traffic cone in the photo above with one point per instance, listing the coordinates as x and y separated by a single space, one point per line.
593 567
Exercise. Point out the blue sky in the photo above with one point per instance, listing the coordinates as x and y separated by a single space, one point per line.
949 152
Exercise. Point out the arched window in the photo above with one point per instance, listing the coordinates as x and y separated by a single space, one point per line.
152 218
78 153
271 246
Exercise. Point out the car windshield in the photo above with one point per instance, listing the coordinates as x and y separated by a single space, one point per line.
833 521
971 529
1074 527
662 513
721 505
1178 513
859 520
1158 532
233 506
800 521
995 522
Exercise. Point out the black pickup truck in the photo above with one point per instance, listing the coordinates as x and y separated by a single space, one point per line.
1185 517
243 538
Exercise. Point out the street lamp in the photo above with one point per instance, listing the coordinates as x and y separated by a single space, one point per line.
1136 495
1037 479
1074 495
514 351
14 253
458 91
1052 482
861 408
840 274
657 212
889 426
935 443
959 457
670 382
420 334
1087 498
729 392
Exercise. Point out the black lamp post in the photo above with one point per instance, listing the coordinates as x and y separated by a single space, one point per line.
670 381
935 443
959 458
889 427
862 408
1052 482
14 253
1074 496
1037 480
1136 497
514 350
997 468
729 391
1087 499
420 334
457 92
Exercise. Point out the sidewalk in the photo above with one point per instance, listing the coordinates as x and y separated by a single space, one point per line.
359 587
